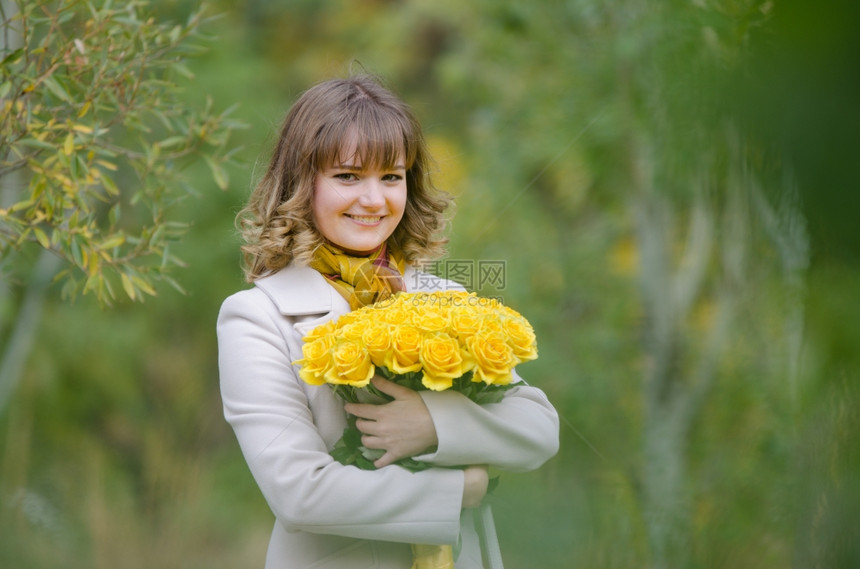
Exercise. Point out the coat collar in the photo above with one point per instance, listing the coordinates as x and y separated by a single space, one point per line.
298 290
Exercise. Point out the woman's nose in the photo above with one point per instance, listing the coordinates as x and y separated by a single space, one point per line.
371 195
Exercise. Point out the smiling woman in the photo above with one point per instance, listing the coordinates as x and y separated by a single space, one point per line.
342 215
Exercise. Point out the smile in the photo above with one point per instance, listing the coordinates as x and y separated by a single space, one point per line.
365 219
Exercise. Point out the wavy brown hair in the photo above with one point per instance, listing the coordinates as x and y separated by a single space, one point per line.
277 223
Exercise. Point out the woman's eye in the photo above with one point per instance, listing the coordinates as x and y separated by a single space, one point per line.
346 177
392 177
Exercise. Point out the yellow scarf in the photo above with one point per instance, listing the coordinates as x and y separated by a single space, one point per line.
361 280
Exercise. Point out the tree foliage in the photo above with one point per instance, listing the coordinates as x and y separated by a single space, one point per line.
94 140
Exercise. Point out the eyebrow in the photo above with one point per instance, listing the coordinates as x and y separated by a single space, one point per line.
354 168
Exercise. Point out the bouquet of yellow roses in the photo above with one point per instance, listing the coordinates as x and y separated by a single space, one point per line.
437 340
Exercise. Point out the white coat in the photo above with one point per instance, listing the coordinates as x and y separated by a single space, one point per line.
332 516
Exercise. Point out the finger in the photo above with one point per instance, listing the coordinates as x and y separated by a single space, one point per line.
385 460
366 427
395 390
374 442
363 410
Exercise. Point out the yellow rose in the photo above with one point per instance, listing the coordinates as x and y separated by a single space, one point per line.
430 321
317 360
494 358
442 361
350 317
397 314
405 345
326 329
352 365
351 330
491 323
376 337
521 338
465 323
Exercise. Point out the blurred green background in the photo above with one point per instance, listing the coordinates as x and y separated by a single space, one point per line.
670 186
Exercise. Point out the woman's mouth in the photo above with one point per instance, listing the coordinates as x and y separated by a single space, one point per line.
365 219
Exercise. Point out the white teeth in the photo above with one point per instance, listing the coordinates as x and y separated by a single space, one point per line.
366 219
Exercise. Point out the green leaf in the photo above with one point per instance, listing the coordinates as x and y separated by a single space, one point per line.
363 463
143 285
174 284
12 57
70 288
175 33
218 173
36 143
352 438
21 205
56 88
344 455
113 241
182 69
371 454
69 144
76 252
42 237
106 287
114 213
109 186
127 286
171 141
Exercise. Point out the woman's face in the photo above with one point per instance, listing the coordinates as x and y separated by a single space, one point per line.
357 208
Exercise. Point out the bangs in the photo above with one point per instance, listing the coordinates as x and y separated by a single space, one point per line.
369 135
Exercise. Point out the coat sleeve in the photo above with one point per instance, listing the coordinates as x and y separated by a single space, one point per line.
517 434
306 489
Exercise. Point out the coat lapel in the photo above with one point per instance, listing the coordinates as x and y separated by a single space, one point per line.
302 293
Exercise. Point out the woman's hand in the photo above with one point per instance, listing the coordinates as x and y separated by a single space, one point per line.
402 427
475 488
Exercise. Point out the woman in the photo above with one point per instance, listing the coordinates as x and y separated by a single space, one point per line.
342 215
